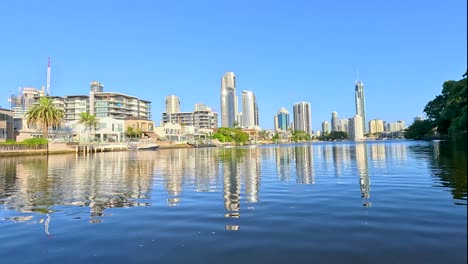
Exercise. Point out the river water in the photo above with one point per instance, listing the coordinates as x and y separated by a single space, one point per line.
374 202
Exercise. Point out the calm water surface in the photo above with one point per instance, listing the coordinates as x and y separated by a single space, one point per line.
381 202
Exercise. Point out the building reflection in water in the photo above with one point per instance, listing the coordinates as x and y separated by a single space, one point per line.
363 171
37 184
251 172
284 159
304 164
397 151
206 173
341 158
231 181
327 154
173 163
238 164
378 155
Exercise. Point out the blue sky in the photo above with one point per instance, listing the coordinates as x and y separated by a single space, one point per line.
284 51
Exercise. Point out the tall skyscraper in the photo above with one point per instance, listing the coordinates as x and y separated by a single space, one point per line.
229 111
172 104
249 109
325 127
344 125
355 128
360 103
302 117
282 119
334 122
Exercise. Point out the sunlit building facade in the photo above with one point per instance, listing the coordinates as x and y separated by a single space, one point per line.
282 120
360 103
302 117
229 111
172 104
334 122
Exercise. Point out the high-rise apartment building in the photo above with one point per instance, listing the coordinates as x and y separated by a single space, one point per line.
334 122
360 103
202 117
344 125
75 105
25 98
282 119
97 87
249 109
117 105
172 104
229 111
355 128
325 127
202 107
396 126
302 117
376 126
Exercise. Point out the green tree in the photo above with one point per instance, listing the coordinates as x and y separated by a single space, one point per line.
448 111
225 134
44 115
300 135
133 132
420 129
335 135
89 121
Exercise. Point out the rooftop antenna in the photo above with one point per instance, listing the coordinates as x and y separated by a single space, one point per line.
48 77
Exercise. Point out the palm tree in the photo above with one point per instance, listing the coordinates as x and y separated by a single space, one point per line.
90 121
44 115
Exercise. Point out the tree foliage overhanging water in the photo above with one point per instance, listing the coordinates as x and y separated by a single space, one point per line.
446 113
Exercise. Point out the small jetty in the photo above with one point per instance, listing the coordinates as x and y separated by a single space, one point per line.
94 148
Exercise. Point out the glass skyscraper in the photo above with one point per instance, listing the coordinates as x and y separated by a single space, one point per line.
228 100
302 117
360 103
282 119
249 109
334 122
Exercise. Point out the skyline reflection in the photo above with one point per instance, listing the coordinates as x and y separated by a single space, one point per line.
363 172
32 188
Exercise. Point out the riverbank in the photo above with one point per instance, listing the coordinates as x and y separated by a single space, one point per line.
67 148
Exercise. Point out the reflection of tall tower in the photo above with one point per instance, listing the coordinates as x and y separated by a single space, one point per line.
252 175
378 154
362 166
232 184
304 166
206 169
283 163
337 153
229 110
173 175
327 153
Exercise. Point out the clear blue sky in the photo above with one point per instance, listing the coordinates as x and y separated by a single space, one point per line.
284 51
